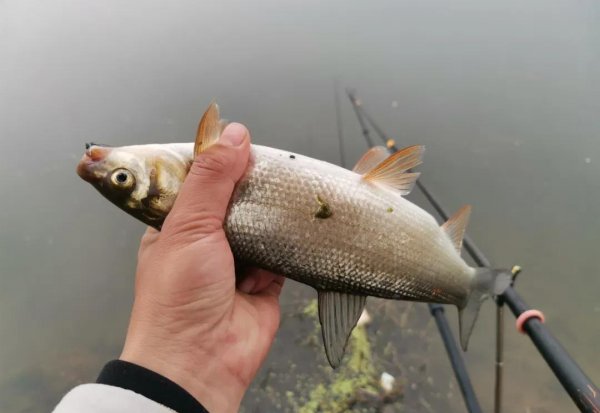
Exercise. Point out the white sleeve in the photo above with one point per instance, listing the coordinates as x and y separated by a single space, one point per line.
100 398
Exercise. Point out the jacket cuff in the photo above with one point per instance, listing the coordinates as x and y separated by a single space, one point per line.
99 398
149 384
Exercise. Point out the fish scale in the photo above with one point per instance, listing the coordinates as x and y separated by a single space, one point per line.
276 202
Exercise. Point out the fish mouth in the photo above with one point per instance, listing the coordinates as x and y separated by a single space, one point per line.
88 166
89 145
85 169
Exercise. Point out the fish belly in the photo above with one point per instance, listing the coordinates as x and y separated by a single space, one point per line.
324 226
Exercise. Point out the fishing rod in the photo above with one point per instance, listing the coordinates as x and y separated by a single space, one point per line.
437 310
338 121
452 349
584 393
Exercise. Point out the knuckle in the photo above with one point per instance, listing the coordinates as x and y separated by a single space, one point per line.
195 226
214 162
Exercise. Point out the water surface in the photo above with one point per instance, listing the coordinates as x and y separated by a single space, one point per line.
504 94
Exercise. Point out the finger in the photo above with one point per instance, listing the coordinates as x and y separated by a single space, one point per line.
266 303
149 238
202 202
253 278
273 289
150 233
258 281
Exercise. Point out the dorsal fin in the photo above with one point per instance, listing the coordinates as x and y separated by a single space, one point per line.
371 159
209 129
392 171
457 224
222 125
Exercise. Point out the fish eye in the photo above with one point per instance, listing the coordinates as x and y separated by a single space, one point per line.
122 179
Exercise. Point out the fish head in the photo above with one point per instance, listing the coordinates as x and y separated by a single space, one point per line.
142 180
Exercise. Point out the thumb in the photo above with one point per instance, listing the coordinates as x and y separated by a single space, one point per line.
202 202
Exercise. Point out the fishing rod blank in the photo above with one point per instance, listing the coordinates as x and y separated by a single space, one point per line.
581 389
583 392
338 121
363 126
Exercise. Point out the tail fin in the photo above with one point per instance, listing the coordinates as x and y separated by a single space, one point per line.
487 282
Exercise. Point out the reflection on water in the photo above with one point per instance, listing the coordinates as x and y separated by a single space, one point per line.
503 94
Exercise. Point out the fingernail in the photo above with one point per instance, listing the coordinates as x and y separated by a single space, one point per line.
247 285
234 134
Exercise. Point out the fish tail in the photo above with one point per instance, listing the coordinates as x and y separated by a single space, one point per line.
487 282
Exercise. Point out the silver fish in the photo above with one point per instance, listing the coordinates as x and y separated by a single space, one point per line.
348 234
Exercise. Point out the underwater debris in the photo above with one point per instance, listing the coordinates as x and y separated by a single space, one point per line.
387 382
365 319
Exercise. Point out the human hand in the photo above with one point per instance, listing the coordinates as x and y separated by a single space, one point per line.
189 323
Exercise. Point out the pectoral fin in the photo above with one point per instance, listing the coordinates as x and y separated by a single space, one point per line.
209 129
338 314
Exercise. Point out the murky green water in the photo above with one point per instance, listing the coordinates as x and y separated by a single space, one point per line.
504 94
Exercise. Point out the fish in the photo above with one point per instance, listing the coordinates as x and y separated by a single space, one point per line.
348 234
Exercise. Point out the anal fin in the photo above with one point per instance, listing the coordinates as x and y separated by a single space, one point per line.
338 314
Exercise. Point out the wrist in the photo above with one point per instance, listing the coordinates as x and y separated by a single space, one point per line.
149 384
207 381
201 374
